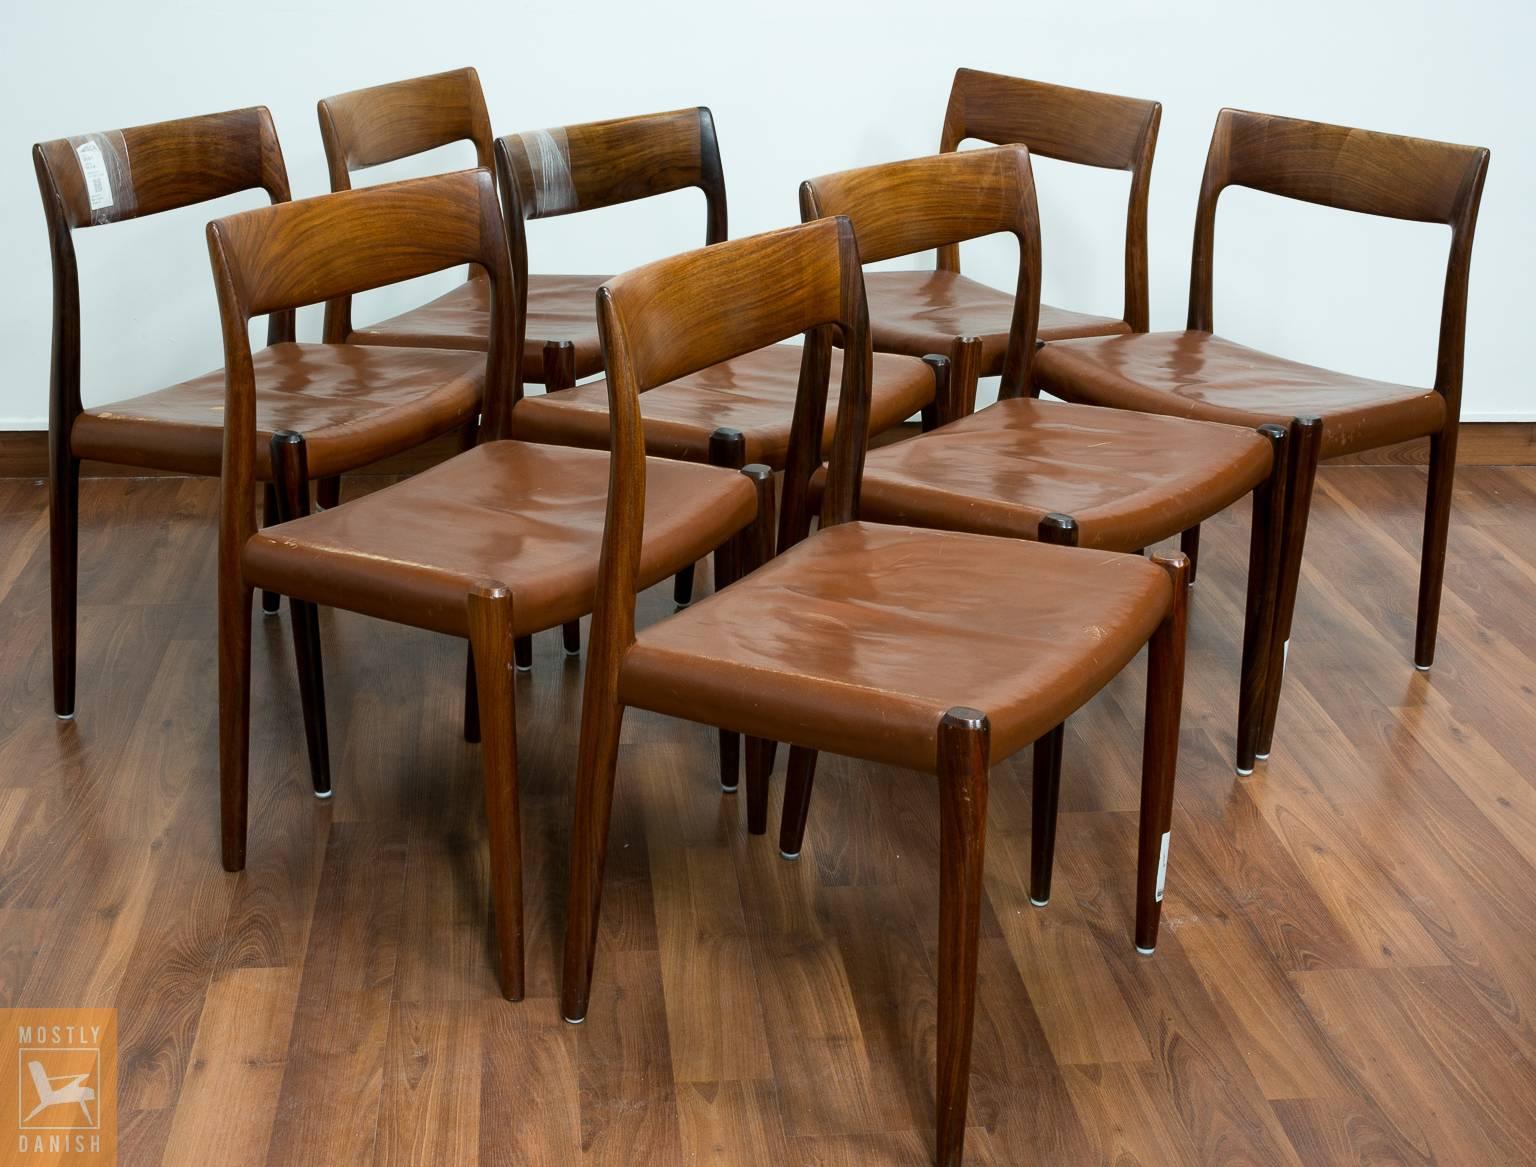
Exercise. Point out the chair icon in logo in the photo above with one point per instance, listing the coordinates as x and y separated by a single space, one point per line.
50 1094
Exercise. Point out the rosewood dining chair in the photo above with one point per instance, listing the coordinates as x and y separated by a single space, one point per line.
1029 469
497 543
893 644
353 405
921 312
738 412
1197 374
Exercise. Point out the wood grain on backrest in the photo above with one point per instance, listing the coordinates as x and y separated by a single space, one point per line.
1073 125
1371 173
580 168
143 170
901 208
384 123
683 314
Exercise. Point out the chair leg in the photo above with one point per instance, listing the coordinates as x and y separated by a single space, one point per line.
754 547
1160 752
1047 791
328 492
1189 544
1306 443
682 587
290 473
602 716
522 653
1263 584
63 568
490 636
471 698
234 717
964 376
964 753
570 637
797 801
1437 522
270 601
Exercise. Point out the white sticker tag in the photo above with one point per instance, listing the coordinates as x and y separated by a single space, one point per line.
98 184
1162 867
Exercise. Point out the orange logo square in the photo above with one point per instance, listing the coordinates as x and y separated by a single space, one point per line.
58 1087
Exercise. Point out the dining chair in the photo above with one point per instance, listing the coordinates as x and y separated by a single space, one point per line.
353 405
737 412
1198 374
921 312
893 644
498 542
1029 469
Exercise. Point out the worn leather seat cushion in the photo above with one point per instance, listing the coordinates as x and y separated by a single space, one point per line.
530 517
754 394
560 307
1198 374
353 404
1129 479
860 638
920 312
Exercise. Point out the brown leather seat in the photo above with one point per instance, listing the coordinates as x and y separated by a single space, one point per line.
754 393
559 308
529 516
1201 375
860 638
345 399
1129 480
921 312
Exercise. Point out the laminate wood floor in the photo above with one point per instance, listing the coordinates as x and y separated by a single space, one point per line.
1347 972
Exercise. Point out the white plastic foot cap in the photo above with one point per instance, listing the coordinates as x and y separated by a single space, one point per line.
574 1020
1422 668
524 668
724 789
270 611
65 716
1039 903
573 652
324 794
788 856
1145 951
1262 757
1241 773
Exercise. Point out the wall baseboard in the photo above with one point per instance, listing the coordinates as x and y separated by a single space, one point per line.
24 453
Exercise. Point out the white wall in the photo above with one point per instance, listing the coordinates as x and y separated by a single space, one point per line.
796 92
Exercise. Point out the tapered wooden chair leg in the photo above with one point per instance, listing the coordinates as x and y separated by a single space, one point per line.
328 492
1437 525
1263 584
1306 443
963 378
490 635
602 716
523 654
797 801
270 601
234 717
471 698
1160 753
754 547
964 753
63 569
290 474
682 587
1046 765
1189 544
937 411
570 636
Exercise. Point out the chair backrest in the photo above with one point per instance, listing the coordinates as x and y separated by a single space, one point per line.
300 253
1072 125
900 208
1354 170
384 123
560 171
92 179
680 315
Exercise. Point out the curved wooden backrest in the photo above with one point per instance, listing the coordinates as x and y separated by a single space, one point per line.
92 179
1353 170
1073 125
599 164
683 314
316 249
900 208
384 123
